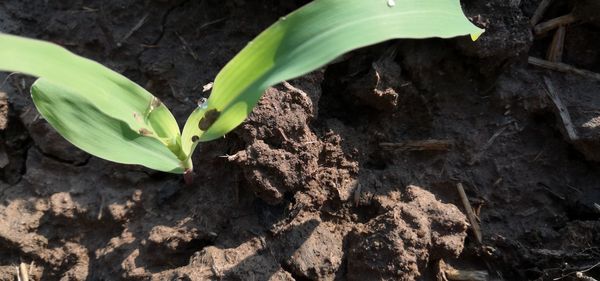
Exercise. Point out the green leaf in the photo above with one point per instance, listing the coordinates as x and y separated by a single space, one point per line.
116 98
79 121
309 38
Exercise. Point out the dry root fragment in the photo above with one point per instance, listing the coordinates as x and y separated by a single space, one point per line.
563 67
554 23
555 52
539 12
419 145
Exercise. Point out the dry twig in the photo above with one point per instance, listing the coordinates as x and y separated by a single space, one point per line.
562 110
554 193
539 12
487 145
555 52
205 25
470 214
418 145
563 67
187 47
554 23
137 26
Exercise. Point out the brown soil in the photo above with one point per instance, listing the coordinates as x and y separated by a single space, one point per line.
303 190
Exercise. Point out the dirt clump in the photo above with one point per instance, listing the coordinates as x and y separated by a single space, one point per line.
398 244
284 154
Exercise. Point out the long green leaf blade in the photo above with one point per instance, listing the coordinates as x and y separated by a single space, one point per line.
83 124
110 92
110 96
308 39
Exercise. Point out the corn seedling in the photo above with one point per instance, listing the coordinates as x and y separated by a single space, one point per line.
109 116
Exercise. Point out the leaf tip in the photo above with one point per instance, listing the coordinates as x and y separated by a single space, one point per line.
476 35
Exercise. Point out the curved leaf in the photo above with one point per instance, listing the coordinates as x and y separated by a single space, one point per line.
308 39
83 124
113 97
109 91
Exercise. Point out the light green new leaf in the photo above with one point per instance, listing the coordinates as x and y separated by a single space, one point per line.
116 101
309 38
83 124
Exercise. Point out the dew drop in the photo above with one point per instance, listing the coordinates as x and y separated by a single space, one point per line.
282 18
202 103
391 3
155 103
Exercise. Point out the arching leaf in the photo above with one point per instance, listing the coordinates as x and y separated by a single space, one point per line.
113 98
79 121
309 38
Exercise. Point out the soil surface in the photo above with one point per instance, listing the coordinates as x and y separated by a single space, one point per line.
348 173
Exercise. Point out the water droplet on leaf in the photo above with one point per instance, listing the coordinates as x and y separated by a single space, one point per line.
202 103
391 3
155 103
